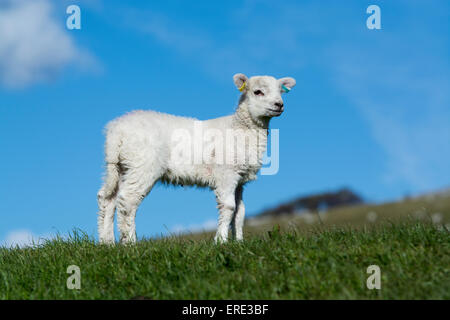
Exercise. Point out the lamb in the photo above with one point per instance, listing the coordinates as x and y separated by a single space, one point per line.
144 147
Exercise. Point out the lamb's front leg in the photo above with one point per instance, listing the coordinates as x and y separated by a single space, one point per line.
226 202
238 219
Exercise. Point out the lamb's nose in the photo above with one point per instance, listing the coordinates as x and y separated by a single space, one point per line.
279 105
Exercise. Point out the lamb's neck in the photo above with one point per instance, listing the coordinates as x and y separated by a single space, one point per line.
243 120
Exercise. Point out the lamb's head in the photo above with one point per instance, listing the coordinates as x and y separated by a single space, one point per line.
263 94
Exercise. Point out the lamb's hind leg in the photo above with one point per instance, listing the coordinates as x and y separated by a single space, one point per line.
106 199
134 187
107 207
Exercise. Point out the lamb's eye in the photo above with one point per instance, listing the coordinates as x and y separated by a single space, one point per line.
258 93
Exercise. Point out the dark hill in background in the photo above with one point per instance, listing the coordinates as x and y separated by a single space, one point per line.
315 202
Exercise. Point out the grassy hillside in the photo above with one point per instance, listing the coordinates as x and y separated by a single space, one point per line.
433 208
313 256
323 264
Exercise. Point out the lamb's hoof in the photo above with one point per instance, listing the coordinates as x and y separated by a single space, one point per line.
109 242
127 241
220 240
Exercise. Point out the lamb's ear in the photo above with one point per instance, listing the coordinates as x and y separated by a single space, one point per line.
240 80
287 83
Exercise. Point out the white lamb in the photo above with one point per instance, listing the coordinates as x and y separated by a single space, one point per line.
144 147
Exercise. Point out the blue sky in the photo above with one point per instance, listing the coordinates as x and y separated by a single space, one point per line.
370 110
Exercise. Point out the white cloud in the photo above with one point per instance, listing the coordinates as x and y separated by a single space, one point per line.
208 225
34 45
22 238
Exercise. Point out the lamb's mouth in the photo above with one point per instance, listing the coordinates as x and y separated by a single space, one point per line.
276 112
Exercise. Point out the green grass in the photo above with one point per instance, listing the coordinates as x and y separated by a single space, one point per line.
319 263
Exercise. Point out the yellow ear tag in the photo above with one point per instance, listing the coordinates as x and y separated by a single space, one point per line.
243 87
